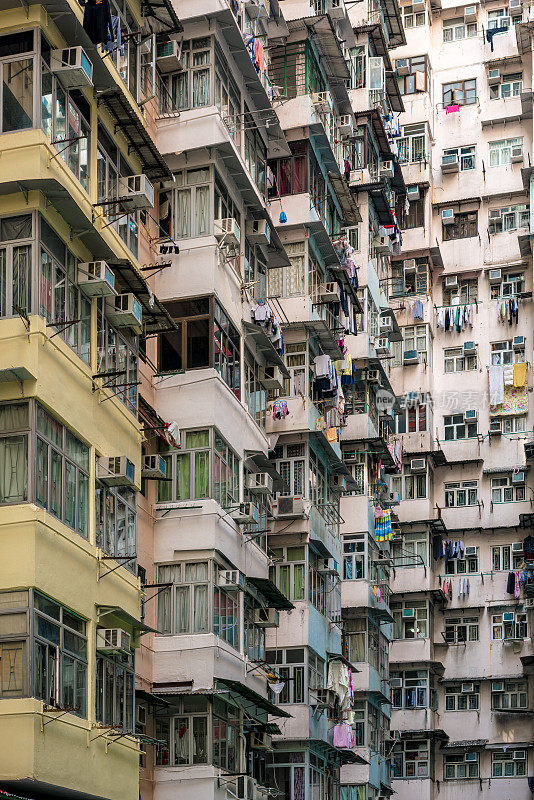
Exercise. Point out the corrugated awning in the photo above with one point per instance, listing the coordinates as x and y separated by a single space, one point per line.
272 593
264 345
135 624
349 207
139 140
465 744
156 318
503 470
163 15
246 698
509 745
148 697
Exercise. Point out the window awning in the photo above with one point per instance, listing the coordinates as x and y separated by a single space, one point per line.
509 745
465 744
156 318
139 139
16 374
148 697
339 657
349 207
262 462
163 16
248 698
332 754
122 616
505 470
271 593
264 345
422 733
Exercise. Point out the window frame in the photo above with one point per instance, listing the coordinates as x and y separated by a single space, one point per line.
465 226
453 491
461 93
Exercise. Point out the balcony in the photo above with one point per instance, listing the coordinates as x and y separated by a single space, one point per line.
359 427
302 417
408 651
363 594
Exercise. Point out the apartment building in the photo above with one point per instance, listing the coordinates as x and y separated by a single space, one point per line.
461 651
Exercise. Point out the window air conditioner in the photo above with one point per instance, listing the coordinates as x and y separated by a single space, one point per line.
169 56
382 346
417 464
113 640
116 471
386 324
136 191
495 275
359 177
396 683
409 265
230 578
72 66
124 311
382 244
272 377
451 280
518 342
329 292
246 788
470 14
402 66
387 169
259 483
470 348
518 477
393 499
515 8
529 603
329 566
467 688
470 550
497 686
261 741
494 77
335 9
495 427
345 125
447 216
289 507
227 231
321 102
266 617
373 376
413 192
520 755
494 213
258 231
337 483
246 514
517 547
408 613
517 154
410 357
323 698
154 466
450 162
471 415
96 279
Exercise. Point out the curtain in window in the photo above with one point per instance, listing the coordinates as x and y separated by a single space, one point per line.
202 473
164 608
181 740
183 214
3 284
299 581
183 476
180 91
275 279
22 277
298 783
13 469
285 580
295 276
181 609
202 210
201 87
200 621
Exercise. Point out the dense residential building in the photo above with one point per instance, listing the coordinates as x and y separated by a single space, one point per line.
257 538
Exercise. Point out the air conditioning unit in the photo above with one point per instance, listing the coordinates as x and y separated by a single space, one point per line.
322 698
382 346
447 216
266 617
335 9
471 415
470 348
520 755
136 192
418 464
227 231
515 8
408 613
246 514
518 477
418 6
468 688
470 550
359 177
508 616
402 67
272 377
345 125
494 214
528 603
410 357
96 279
259 483
529 450
329 292
393 499
495 427
261 741
337 483
230 578
494 275
72 66
451 281
413 192
395 683
246 788
382 245
124 311
517 154
497 686
410 265
450 162
494 77
373 376
517 547
470 14
169 56
321 102
290 507
386 324
518 342
258 231
387 169
113 640
154 466
329 566
116 471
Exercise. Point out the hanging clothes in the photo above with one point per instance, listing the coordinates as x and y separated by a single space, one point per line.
280 409
520 375
517 587
513 311
491 33
496 384
418 310
97 21
343 735
508 374
510 583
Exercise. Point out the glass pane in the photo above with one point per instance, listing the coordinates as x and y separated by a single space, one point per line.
17 105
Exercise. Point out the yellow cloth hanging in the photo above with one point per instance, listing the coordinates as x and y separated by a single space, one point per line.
520 375
331 434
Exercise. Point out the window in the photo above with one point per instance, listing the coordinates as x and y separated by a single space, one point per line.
410 689
414 217
409 277
290 461
413 143
504 491
465 156
411 550
457 427
514 695
65 116
465 226
456 29
412 418
508 763
417 78
461 93
364 642
290 575
410 619
355 791
504 558
255 393
510 86
291 280
117 353
301 669
465 292
185 735
190 88
14 433
410 485
509 218
468 565
111 167
462 697
413 19
411 759
414 337
464 493
460 766
60 656
289 175
499 20
461 629
456 361
509 625
116 522
501 152
503 353
511 285
17 76
354 557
